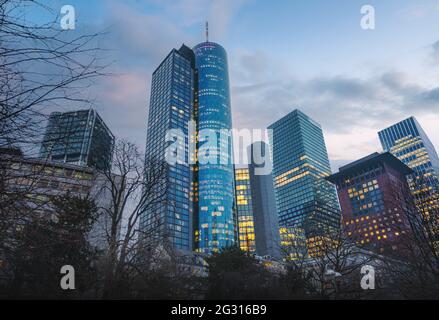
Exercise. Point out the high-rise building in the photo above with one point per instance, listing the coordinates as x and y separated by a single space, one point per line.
78 137
375 199
214 226
171 107
407 141
32 185
266 224
244 208
193 85
306 203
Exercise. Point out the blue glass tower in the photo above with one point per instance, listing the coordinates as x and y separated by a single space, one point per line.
215 181
407 141
306 203
171 107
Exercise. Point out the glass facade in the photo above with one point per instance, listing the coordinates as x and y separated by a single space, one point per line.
306 203
171 107
244 207
78 137
215 181
408 142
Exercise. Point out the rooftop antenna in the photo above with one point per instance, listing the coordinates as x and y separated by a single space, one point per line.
207 31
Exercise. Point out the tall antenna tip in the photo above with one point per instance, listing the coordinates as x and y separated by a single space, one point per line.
207 31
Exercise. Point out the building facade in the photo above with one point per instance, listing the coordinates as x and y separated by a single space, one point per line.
407 141
78 137
171 107
215 227
244 208
375 201
192 85
266 224
306 203
32 184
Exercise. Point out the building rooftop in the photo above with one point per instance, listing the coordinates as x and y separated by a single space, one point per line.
294 113
19 157
373 159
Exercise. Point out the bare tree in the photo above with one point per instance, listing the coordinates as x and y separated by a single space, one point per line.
41 67
136 188
335 266
415 269
326 265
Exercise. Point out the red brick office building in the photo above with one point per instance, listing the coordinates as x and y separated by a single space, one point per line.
376 202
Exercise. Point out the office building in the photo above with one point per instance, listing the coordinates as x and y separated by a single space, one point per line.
171 107
32 184
266 224
375 201
244 208
215 227
306 203
193 85
78 137
407 141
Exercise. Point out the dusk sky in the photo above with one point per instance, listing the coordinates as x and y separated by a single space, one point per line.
306 54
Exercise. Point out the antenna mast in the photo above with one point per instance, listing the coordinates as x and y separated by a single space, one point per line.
207 31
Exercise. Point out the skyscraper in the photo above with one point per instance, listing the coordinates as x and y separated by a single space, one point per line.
374 198
171 107
266 222
244 208
193 85
306 202
78 137
215 181
409 143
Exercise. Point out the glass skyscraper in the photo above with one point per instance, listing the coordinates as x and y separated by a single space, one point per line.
244 207
78 137
171 107
306 203
409 143
215 226
193 84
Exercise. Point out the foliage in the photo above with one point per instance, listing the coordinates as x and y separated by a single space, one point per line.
43 246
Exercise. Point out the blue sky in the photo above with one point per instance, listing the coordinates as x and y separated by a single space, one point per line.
283 54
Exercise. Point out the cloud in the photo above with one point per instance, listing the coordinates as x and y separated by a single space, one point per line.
435 52
143 36
138 40
350 109
414 12
194 13
221 13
